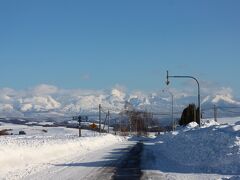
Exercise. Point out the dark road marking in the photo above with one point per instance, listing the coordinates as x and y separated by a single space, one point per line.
129 168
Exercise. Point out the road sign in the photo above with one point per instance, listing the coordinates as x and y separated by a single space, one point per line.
93 126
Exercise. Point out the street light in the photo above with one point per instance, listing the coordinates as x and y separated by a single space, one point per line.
199 97
164 90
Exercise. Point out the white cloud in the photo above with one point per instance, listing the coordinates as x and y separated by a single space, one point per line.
189 88
44 89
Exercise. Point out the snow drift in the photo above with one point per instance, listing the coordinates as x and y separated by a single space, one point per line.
18 155
213 148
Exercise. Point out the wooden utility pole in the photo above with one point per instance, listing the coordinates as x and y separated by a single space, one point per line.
108 120
215 113
100 121
79 126
115 127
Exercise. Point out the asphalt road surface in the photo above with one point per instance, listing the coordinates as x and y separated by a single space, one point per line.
117 162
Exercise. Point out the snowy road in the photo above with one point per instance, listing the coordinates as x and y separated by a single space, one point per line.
94 165
209 152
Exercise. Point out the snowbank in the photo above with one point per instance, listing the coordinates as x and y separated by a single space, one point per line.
212 148
226 120
18 155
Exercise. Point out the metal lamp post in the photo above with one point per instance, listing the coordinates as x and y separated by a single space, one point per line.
199 97
172 106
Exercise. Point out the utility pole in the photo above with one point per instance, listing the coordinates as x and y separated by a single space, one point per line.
130 121
172 114
147 114
79 125
215 112
108 114
115 127
100 121
172 107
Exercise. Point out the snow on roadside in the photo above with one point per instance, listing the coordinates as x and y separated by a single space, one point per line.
212 148
225 120
20 154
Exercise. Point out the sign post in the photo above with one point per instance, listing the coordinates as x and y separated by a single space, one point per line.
80 119
79 126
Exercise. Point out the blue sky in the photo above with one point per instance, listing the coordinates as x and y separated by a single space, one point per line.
97 44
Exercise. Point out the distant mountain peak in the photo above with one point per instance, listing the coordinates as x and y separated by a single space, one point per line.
227 98
50 99
118 93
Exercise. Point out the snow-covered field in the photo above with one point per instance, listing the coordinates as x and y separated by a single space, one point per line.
209 152
21 156
230 120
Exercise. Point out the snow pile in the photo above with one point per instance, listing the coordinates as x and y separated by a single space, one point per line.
226 120
212 148
19 155
192 125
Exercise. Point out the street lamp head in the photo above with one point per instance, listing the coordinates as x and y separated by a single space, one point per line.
167 81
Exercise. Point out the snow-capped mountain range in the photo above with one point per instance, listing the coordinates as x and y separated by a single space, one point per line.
50 100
